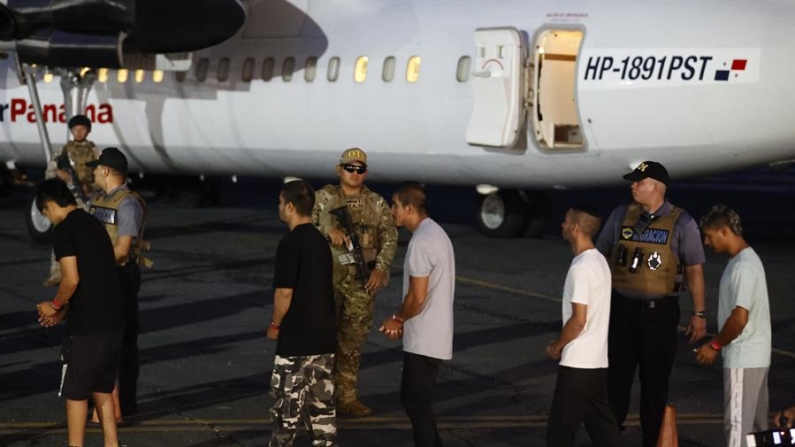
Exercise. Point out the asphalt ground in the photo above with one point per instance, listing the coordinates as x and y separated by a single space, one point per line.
205 363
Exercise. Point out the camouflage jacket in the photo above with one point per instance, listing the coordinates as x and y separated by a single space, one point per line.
372 221
80 154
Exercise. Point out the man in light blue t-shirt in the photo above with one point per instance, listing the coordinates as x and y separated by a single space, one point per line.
744 319
425 320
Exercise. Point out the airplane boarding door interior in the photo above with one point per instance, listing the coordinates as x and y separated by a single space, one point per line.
555 120
496 85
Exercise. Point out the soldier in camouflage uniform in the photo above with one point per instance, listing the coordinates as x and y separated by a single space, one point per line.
80 151
304 324
354 297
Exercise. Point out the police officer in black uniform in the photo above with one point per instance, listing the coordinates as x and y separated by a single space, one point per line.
655 251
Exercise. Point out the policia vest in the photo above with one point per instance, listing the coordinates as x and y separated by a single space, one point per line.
642 260
105 209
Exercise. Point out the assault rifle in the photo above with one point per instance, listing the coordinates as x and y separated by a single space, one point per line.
355 254
64 163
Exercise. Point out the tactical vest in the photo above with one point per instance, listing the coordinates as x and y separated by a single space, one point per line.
364 214
645 262
105 209
80 154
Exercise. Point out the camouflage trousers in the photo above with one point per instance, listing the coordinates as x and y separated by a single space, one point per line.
355 309
303 395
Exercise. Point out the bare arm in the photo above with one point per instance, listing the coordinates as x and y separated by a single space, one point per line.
571 329
732 329
281 304
70 278
412 306
694 275
122 248
415 299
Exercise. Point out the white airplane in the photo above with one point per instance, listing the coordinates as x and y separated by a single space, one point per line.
517 95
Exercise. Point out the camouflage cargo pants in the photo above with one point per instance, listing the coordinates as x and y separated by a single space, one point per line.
303 394
354 320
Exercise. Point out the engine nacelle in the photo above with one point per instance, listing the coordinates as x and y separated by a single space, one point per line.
97 33
64 49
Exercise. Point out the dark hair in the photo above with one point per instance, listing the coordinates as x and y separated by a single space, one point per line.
412 193
588 217
301 194
721 215
54 190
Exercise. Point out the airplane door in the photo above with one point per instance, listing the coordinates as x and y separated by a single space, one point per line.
496 85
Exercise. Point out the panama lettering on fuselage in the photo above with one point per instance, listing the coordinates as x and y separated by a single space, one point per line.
20 110
651 235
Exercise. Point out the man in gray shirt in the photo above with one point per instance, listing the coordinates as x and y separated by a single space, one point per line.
425 320
123 212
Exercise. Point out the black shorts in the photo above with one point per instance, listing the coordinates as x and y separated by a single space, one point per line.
90 364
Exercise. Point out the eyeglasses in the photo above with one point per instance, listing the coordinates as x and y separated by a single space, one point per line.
354 168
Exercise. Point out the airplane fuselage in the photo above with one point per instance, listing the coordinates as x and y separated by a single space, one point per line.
701 86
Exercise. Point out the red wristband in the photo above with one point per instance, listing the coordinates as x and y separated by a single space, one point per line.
398 319
715 345
55 304
273 325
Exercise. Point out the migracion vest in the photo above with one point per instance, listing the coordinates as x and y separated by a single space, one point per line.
105 209
642 260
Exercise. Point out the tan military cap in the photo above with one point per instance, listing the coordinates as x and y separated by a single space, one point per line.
353 154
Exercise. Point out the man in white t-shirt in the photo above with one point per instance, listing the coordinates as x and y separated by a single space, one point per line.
581 388
744 325
425 320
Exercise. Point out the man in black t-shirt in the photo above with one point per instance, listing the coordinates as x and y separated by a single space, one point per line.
303 325
89 296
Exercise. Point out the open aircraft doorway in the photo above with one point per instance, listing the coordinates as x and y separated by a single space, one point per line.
554 117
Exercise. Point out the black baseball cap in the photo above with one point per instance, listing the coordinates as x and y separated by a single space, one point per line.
112 158
649 169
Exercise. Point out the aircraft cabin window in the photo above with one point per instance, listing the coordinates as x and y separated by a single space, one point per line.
267 69
223 69
122 75
360 72
288 67
139 76
311 69
333 69
157 76
248 69
464 65
389 69
47 77
413 69
202 68
102 76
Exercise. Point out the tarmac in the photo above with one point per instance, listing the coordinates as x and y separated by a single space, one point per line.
205 362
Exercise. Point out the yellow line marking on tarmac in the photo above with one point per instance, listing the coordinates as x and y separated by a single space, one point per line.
491 285
367 423
495 286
